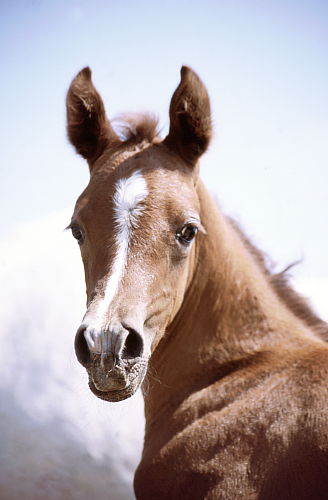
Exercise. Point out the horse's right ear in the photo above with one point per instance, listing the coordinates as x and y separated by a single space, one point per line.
88 128
190 118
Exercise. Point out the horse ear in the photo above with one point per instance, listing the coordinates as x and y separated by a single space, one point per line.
190 118
87 126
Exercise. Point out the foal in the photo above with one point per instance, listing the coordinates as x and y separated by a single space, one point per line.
237 393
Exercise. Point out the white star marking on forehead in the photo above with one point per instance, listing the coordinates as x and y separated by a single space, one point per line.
128 196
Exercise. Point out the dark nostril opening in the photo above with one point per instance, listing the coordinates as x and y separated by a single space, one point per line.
133 345
81 347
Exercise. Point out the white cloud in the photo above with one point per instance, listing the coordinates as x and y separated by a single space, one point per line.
57 436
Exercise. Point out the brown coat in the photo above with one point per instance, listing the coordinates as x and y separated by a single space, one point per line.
236 391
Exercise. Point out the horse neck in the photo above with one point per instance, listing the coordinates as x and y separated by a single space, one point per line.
229 314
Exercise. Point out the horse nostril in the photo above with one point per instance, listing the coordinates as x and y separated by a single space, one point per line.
81 347
133 345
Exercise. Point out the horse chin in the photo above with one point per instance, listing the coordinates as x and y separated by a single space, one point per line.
119 391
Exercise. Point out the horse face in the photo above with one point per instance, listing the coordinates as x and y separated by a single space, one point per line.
136 223
136 228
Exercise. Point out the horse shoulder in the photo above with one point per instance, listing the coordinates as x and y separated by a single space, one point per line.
273 442
262 430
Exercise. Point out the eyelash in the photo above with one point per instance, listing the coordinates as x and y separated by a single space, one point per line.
76 232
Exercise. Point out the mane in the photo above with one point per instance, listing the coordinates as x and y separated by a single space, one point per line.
136 128
279 282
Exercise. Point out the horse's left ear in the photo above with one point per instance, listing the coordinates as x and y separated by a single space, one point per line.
190 118
88 128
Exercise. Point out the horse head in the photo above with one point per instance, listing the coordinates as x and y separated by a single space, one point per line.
138 225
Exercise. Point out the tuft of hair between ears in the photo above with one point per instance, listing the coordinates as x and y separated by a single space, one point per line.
137 127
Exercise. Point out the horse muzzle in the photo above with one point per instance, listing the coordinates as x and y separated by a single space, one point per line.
113 359
108 372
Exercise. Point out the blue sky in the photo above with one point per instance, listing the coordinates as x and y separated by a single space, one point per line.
265 66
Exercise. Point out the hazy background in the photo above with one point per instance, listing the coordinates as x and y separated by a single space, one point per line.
265 67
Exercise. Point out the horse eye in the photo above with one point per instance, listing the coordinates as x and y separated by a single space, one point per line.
187 233
77 233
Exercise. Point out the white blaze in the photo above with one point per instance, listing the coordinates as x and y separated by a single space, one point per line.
128 195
